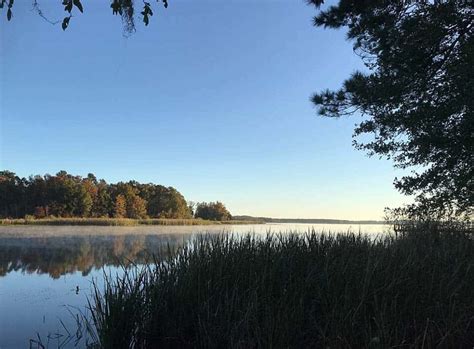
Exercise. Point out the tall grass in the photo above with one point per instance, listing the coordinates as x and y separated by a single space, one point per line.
292 291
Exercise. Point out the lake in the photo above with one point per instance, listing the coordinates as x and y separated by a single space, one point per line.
46 272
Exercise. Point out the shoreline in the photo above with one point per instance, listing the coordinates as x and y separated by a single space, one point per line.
124 222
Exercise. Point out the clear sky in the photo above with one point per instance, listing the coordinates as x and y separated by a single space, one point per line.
211 98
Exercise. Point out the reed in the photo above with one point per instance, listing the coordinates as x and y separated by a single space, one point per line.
294 291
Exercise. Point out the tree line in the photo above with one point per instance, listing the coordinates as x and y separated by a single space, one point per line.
67 195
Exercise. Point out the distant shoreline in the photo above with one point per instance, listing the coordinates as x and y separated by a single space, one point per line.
307 220
120 222
239 220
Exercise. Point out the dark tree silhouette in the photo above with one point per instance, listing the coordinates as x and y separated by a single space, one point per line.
416 96
123 8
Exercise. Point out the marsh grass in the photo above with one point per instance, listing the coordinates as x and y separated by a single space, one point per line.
116 221
414 290
67 337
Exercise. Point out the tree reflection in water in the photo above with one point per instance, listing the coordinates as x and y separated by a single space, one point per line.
57 256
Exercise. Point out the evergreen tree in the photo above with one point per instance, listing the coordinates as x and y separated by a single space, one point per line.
12 195
416 96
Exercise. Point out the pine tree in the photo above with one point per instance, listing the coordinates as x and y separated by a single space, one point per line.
416 96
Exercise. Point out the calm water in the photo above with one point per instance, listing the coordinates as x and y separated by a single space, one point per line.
46 272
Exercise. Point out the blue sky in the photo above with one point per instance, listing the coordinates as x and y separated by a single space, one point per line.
211 98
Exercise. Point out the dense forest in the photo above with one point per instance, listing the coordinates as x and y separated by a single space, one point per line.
66 195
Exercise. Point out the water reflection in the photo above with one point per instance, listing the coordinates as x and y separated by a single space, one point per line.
59 250
44 271
58 256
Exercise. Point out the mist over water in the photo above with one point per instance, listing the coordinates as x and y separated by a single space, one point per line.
46 272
